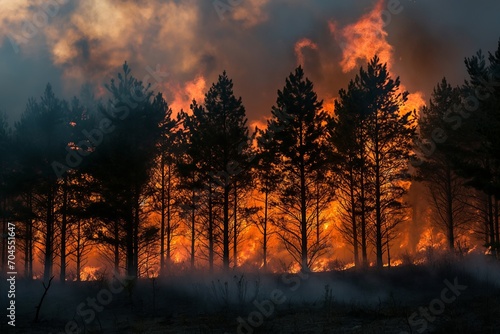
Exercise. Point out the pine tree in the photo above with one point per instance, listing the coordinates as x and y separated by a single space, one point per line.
267 179
220 141
389 132
122 161
475 153
164 184
42 135
190 176
297 128
230 138
437 133
348 137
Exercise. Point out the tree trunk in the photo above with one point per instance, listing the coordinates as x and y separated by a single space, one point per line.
235 227
135 257
317 213
193 231
303 212
497 231
48 256
364 252
30 238
449 211
264 230
388 251
79 251
64 223
378 209
225 240
129 239
491 220
486 222
116 231
162 218
353 218
169 216
28 241
210 231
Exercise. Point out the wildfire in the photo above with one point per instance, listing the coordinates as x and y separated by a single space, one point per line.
394 263
89 273
349 266
363 40
248 252
431 239
415 102
184 95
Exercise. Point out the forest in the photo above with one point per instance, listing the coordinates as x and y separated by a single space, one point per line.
249 166
151 191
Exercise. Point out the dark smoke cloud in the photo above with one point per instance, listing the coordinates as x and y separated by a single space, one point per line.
87 41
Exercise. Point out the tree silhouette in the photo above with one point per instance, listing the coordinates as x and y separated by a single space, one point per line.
348 137
267 178
228 134
164 186
388 132
123 158
297 129
219 141
475 152
447 192
190 177
42 135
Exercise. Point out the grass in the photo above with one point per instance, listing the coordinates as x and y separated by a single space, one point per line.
371 301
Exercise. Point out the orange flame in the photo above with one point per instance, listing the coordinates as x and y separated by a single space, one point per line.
363 40
89 273
183 96
431 239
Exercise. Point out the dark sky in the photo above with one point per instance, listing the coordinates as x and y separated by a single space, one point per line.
193 41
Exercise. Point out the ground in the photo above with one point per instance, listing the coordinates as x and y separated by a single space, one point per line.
459 296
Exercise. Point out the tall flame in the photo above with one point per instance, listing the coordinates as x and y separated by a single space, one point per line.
363 40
